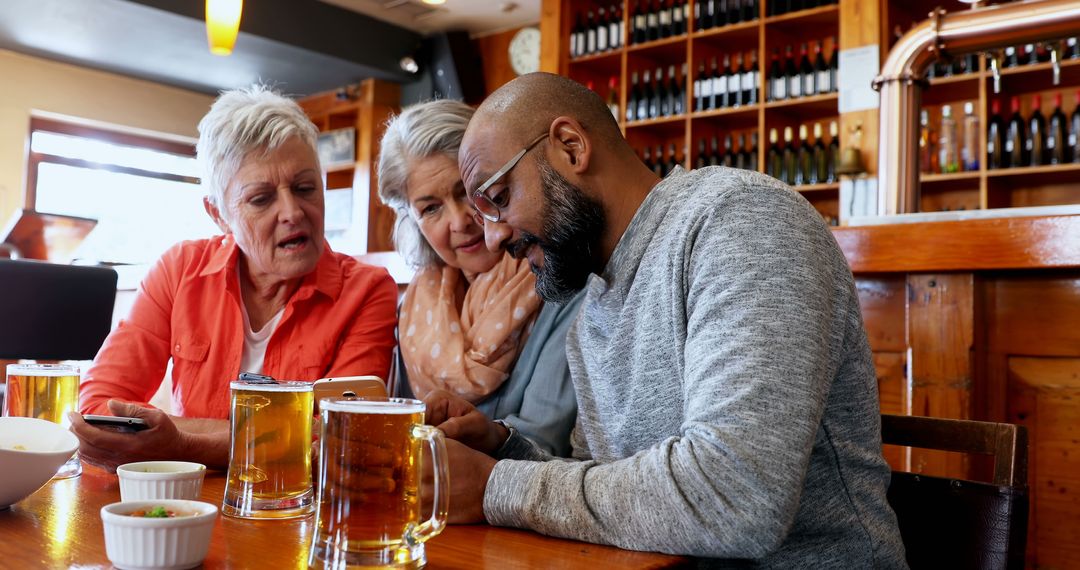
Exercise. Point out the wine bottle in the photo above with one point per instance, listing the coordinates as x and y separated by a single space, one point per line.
805 164
1072 48
821 71
615 27
995 137
777 81
658 161
590 34
1056 135
791 74
969 141
575 34
707 99
1010 59
750 80
806 70
656 108
788 166
672 162
719 13
1036 141
702 161
678 24
699 79
1016 137
772 158
748 157
653 21
749 10
678 88
927 152
739 153
601 30
718 98
753 165
641 23
834 65
820 170
646 157
704 14
1074 131
663 11
613 98
645 98
632 98
834 152
947 142
714 157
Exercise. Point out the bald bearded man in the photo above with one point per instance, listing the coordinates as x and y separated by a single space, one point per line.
727 400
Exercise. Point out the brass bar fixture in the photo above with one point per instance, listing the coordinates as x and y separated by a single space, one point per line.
901 80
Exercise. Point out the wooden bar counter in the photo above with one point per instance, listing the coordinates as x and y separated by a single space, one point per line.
980 319
59 526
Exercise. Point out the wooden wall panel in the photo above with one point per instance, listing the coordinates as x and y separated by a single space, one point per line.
495 58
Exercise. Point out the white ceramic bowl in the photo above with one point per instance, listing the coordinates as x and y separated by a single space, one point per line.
140 543
31 450
150 480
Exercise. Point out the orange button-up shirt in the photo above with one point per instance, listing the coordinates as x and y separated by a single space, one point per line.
339 322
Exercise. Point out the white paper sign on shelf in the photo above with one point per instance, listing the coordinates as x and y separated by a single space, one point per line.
858 198
858 68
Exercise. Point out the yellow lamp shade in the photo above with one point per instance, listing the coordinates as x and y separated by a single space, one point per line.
222 24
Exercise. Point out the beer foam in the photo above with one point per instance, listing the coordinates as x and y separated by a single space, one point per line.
372 406
279 387
40 370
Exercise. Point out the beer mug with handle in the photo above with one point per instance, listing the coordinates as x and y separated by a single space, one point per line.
369 492
270 451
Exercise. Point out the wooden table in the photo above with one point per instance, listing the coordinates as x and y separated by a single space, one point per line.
59 526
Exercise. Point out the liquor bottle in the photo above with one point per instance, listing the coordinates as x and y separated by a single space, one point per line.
652 18
749 10
658 161
1074 131
602 31
750 80
678 89
1036 141
969 142
733 79
1072 48
659 95
641 23
1015 137
590 34
753 164
995 137
807 73
734 11
1010 59
645 98
718 93
632 98
821 70
1032 57
791 74
613 98
575 37
788 166
727 159
719 13
772 158
707 88
615 26
820 170
714 157
928 163
777 81
740 152
704 14
699 79
663 14
1057 136
834 65
678 24
702 160
834 152
805 165
947 142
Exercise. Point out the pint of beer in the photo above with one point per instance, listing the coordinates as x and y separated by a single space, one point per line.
369 492
270 454
47 392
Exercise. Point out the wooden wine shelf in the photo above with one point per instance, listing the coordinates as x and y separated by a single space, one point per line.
972 77
833 186
657 122
1033 170
727 112
949 177
747 30
821 14
656 44
599 57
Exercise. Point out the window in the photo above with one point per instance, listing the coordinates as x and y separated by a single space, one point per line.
144 192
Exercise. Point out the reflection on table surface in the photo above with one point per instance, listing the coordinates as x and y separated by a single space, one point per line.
59 526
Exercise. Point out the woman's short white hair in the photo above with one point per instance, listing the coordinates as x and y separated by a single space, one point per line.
242 121
420 131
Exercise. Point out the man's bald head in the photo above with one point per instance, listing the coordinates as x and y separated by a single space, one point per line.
527 105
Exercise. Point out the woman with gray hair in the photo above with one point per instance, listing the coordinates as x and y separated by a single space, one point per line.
471 323
267 296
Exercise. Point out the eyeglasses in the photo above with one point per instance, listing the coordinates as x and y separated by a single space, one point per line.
490 207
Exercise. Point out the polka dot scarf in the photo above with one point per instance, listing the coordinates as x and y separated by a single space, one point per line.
465 338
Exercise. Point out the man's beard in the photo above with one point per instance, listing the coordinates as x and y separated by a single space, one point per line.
573 224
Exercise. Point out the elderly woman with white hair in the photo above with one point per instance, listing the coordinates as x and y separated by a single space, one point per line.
268 296
471 323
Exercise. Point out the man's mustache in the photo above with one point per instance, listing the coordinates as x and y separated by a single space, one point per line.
516 249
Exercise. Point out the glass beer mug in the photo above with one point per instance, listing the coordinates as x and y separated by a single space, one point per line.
270 451
47 392
369 484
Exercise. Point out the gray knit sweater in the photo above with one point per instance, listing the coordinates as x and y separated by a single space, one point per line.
727 401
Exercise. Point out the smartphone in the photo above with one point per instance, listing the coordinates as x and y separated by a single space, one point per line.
116 423
347 386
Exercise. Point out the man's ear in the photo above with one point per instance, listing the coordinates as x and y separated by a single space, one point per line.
215 214
571 143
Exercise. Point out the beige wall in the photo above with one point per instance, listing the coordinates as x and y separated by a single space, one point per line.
34 84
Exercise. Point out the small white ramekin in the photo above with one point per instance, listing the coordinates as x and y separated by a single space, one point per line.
140 543
151 480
